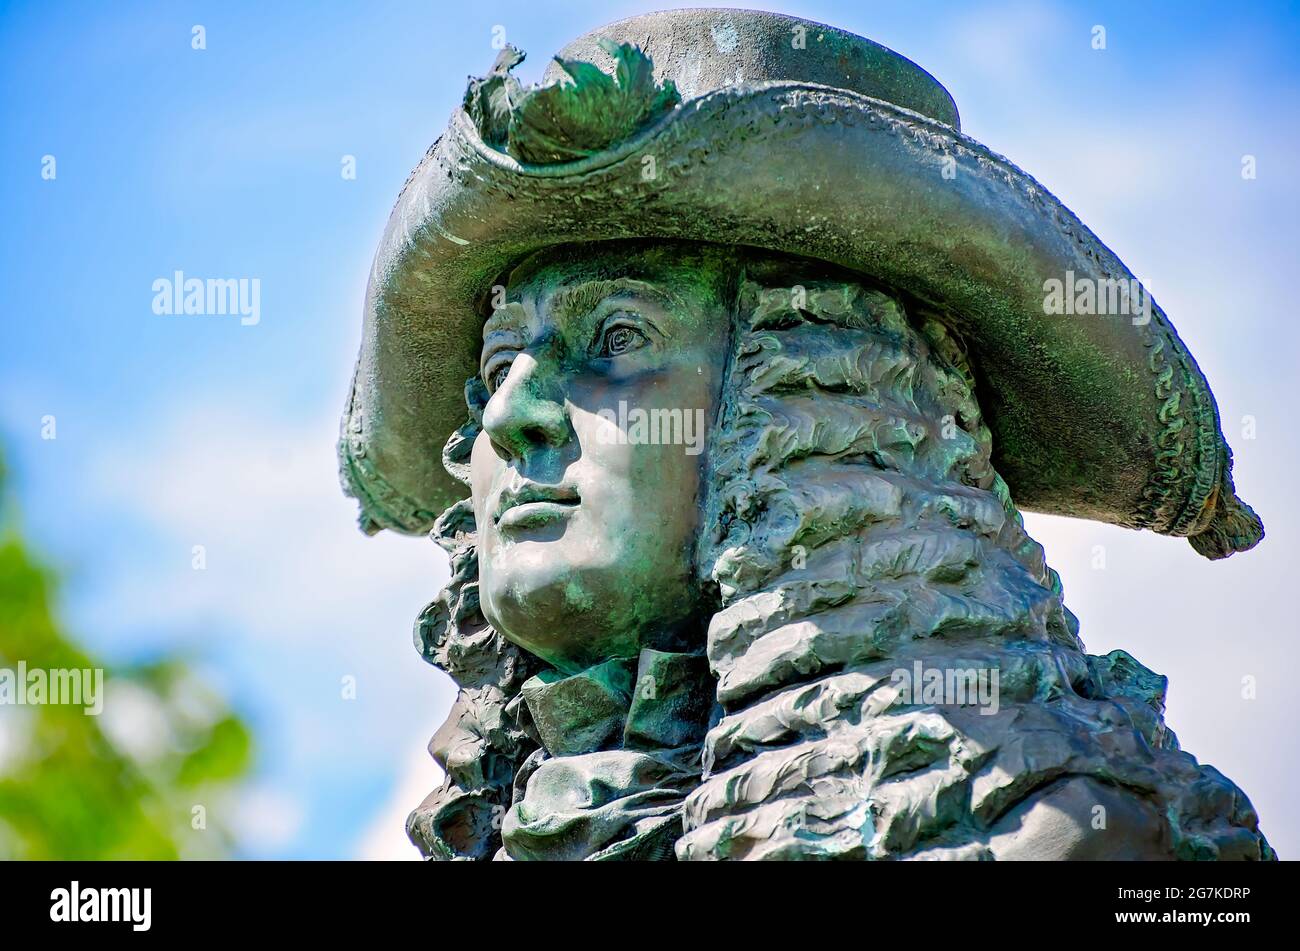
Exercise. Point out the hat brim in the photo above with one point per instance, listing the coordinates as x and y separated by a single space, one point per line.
1099 417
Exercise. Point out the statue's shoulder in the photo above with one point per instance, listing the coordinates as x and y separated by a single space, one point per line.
1079 818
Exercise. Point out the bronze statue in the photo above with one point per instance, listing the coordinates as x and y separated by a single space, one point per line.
762 356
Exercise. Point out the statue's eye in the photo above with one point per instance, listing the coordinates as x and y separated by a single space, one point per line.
621 338
497 378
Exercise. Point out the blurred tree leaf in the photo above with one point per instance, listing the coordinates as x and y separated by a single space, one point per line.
69 787
224 756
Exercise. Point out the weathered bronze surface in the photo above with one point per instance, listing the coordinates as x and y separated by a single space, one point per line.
762 357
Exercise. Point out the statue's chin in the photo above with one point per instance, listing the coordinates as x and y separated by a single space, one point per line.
587 597
574 619
568 643
564 622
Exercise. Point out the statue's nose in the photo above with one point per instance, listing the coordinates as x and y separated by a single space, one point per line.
526 413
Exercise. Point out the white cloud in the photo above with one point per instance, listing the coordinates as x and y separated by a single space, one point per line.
267 817
300 597
385 838
278 538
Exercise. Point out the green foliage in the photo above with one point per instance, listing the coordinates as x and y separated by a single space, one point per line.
585 113
71 787
490 100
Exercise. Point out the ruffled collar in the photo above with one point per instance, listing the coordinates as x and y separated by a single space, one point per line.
658 700
620 751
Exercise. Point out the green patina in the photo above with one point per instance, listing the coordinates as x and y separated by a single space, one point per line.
868 341
577 117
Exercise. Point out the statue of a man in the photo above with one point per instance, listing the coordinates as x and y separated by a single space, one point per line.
762 355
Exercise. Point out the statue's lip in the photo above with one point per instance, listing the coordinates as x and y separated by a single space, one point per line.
534 500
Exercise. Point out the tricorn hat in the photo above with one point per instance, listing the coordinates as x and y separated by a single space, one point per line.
757 129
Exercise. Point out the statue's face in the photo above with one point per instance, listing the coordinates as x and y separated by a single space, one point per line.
587 521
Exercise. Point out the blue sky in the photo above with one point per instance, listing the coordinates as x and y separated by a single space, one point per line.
225 162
